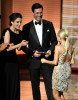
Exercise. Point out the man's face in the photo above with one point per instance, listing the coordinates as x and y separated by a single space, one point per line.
38 13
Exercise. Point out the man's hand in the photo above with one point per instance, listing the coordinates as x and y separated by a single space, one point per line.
36 54
48 54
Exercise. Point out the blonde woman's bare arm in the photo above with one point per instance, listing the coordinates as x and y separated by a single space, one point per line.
56 56
73 55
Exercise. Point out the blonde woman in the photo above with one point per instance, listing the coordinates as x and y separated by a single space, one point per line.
64 55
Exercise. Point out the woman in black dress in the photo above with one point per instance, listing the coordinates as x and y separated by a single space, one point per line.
12 36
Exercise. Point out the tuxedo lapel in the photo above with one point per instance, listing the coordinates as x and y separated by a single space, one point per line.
44 31
33 32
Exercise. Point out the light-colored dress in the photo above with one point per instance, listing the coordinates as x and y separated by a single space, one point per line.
61 74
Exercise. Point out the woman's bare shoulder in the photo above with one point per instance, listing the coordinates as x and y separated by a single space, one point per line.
57 47
7 32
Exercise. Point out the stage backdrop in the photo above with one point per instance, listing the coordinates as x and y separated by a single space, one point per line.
0 18
70 22
51 11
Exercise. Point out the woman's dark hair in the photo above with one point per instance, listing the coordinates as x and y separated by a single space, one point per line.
36 6
13 17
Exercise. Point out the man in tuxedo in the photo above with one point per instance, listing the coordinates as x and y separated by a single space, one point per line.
41 38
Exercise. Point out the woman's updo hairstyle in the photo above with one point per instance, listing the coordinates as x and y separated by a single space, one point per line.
64 34
13 17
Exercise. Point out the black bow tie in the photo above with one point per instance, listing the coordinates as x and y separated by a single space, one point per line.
38 23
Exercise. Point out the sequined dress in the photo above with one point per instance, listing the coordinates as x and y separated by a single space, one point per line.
61 74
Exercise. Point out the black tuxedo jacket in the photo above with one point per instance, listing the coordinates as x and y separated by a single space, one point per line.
49 40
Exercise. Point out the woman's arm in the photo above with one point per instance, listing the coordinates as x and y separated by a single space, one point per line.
7 41
3 46
23 43
72 59
7 37
56 56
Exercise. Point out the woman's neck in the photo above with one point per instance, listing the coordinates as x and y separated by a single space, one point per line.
63 42
14 30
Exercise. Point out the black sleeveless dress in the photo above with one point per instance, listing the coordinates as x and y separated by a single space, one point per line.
11 69
2 82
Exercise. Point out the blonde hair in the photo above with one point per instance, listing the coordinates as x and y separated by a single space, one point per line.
64 34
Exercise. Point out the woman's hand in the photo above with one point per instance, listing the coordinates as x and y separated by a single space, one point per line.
43 60
48 54
10 45
17 46
24 43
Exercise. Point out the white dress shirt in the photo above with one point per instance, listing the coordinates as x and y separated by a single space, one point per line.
38 31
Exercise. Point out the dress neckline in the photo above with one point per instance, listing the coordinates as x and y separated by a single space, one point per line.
13 32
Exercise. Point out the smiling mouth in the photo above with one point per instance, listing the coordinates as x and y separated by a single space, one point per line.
18 26
39 17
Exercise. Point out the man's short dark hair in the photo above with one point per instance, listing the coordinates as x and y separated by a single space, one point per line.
36 6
